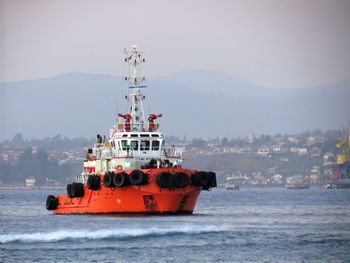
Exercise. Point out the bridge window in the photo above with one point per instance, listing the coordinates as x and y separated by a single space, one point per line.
155 135
134 145
134 135
144 135
155 145
144 145
125 145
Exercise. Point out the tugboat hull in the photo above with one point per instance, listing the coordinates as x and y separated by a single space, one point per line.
143 199
137 201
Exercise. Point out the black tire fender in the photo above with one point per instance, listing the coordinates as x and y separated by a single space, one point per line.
93 182
138 177
108 179
181 180
200 178
121 179
51 202
69 190
165 180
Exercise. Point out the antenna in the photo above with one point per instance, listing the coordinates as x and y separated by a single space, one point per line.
134 60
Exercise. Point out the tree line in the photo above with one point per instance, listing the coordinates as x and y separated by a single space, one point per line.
37 165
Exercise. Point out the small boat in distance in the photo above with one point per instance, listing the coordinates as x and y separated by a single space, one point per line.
133 171
232 187
297 182
231 184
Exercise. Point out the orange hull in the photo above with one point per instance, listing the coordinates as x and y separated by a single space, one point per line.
148 198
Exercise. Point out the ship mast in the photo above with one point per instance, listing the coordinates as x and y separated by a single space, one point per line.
134 59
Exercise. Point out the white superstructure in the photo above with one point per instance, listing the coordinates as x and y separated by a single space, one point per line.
134 142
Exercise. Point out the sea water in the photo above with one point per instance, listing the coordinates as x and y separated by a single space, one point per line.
256 225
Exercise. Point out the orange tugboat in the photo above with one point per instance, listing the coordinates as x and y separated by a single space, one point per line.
133 171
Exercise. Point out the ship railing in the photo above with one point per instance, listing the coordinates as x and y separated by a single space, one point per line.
173 152
98 150
108 152
82 178
121 127
152 128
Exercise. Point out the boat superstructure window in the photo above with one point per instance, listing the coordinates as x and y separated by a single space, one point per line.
144 145
125 145
134 145
155 145
140 143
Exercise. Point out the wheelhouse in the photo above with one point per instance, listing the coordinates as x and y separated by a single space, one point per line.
139 143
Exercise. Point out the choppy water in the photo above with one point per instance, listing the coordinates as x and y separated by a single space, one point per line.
260 225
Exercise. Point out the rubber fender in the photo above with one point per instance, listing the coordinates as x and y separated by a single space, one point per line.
212 179
181 180
51 202
165 180
121 179
108 179
69 191
93 182
77 190
138 177
80 190
211 182
200 178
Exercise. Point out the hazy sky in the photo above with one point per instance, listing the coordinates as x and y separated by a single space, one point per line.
274 43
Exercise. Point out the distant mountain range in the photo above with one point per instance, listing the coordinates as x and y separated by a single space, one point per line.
194 103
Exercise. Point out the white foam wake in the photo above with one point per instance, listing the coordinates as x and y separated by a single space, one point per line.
65 235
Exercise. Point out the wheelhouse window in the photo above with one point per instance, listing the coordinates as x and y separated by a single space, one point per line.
144 145
125 145
134 145
155 145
